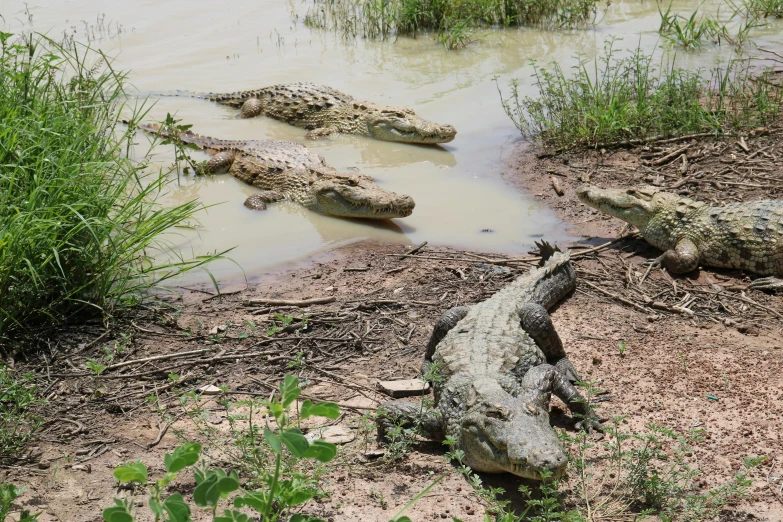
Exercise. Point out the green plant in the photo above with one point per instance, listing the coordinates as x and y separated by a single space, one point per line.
285 320
81 225
452 20
278 494
9 493
18 422
624 100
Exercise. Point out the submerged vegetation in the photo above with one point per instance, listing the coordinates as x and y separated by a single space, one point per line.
614 100
452 20
81 225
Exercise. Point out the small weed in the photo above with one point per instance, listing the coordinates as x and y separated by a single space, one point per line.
17 422
9 493
279 492
622 347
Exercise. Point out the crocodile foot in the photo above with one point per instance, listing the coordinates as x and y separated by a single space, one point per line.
767 283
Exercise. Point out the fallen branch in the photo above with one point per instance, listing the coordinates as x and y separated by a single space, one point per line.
289 302
413 250
158 358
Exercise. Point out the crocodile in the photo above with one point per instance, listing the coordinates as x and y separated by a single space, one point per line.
499 361
323 111
286 170
746 236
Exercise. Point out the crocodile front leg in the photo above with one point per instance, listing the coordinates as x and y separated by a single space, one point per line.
321 132
774 283
220 163
251 108
442 326
536 321
259 201
408 414
682 259
545 379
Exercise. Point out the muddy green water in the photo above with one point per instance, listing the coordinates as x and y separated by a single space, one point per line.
458 188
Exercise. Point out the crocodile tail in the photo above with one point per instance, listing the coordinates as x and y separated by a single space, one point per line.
556 279
202 142
545 250
232 99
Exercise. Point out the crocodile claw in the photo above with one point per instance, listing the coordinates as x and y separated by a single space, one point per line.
767 283
590 423
567 370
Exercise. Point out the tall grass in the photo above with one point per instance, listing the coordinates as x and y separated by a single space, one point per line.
613 100
81 225
452 20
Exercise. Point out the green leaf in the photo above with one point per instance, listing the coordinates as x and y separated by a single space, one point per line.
205 493
227 485
217 485
231 516
289 390
132 472
300 496
256 500
305 518
321 451
295 442
184 455
156 508
176 508
117 514
329 410
273 440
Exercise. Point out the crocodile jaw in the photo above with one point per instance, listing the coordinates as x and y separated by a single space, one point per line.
636 206
509 434
357 197
402 125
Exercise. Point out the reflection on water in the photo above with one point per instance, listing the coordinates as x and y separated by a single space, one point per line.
246 44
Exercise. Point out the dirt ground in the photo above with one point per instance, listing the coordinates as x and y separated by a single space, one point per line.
700 351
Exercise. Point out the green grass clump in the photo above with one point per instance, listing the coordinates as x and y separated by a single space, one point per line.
617 100
452 20
80 223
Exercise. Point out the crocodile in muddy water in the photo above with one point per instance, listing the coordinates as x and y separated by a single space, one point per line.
499 361
286 170
745 236
323 111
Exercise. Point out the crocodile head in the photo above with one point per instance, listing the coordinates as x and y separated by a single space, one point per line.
503 433
356 196
401 124
637 206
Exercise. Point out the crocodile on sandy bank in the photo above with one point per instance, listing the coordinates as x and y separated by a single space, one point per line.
323 111
286 170
500 360
745 236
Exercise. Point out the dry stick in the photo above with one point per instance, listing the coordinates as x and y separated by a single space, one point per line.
190 363
288 302
671 156
163 428
615 296
413 250
745 300
158 358
145 330
104 334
